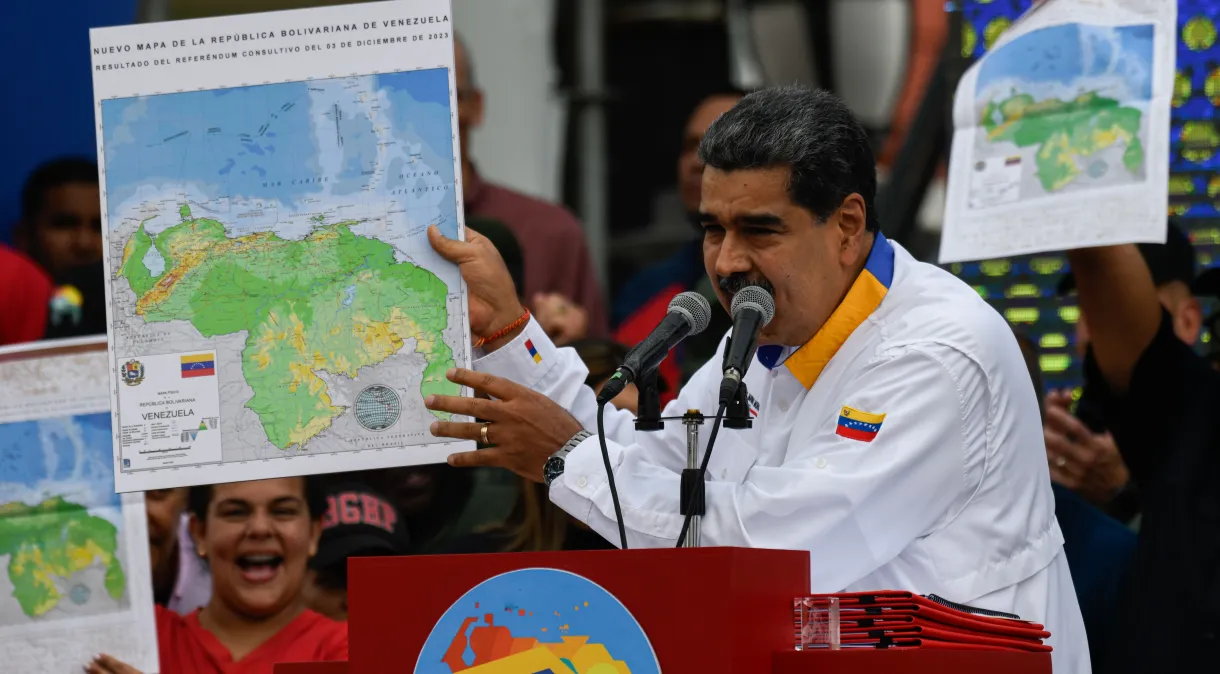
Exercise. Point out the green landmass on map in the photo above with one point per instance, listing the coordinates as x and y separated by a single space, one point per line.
333 301
55 539
1064 130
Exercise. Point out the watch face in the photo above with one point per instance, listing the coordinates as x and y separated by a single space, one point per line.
552 469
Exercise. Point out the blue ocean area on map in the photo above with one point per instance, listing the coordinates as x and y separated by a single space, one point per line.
67 456
284 142
1066 53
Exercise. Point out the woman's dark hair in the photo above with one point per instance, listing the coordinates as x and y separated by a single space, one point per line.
315 499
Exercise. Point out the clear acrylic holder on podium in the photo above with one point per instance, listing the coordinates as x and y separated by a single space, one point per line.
816 623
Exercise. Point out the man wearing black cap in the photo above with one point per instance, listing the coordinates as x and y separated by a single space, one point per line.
1160 399
359 522
1082 453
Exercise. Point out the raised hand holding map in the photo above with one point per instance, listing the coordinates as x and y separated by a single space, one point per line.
1062 132
268 181
74 562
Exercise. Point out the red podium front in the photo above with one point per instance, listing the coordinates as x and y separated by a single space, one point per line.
710 610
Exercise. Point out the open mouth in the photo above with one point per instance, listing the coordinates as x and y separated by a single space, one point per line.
259 568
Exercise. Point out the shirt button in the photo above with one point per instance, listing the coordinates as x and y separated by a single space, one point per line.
821 462
582 482
783 406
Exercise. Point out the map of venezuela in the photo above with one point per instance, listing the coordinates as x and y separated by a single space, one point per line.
278 233
55 539
1075 97
60 532
333 301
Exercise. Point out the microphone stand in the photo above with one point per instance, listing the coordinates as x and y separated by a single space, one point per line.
692 486
649 416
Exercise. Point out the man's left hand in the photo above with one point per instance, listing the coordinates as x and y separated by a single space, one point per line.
524 427
1088 463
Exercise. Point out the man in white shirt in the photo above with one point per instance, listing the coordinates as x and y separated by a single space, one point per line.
897 435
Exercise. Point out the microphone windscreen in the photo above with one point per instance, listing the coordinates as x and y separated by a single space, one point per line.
757 296
695 308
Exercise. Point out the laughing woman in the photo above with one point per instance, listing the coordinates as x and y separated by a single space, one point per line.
257 538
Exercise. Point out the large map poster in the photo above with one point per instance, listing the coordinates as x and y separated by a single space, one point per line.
1061 133
74 564
275 307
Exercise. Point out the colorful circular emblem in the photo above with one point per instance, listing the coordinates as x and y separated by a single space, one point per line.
542 621
132 372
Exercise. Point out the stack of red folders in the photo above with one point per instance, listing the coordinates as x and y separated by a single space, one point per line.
897 619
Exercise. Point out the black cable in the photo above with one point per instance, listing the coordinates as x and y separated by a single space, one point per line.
601 440
690 501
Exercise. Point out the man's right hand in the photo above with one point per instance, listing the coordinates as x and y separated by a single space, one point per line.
494 303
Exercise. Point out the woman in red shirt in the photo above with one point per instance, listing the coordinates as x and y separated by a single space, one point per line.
257 538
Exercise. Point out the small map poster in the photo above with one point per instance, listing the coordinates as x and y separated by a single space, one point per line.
1062 132
74 564
268 181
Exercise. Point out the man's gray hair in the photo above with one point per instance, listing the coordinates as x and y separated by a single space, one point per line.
810 131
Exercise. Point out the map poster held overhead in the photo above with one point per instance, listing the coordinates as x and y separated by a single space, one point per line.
268 180
74 564
1061 132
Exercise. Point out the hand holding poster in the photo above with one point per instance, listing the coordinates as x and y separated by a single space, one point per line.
268 181
1062 132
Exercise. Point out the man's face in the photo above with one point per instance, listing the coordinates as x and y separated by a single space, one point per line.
754 233
67 232
164 508
470 98
258 539
690 169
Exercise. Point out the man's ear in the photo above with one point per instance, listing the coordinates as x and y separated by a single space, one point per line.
852 224
1188 320
199 536
21 236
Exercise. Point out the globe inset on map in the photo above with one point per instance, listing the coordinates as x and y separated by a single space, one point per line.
377 408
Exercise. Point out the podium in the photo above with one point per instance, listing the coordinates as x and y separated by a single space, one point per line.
707 610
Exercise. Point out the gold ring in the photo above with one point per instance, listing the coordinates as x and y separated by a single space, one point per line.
1060 462
483 434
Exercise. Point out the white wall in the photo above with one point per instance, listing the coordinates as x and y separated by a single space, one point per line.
520 144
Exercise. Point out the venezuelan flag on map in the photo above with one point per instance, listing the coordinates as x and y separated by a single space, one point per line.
199 365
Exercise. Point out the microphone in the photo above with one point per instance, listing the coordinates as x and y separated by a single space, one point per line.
752 309
688 315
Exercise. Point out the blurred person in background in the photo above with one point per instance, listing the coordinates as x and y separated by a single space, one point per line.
1082 452
257 538
359 522
181 581
556 255
1159 399
643 301
25 291
61 216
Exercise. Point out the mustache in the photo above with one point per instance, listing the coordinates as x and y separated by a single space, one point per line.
732 284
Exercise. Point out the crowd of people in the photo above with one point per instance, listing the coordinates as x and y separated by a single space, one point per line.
248 574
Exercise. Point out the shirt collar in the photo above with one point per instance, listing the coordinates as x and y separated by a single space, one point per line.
870 287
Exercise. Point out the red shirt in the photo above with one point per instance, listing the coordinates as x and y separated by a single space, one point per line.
552 245
187 648
25 294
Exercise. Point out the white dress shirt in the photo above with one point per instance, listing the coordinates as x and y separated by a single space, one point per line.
948 493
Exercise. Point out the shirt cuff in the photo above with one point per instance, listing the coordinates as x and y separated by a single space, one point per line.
525 360
584 472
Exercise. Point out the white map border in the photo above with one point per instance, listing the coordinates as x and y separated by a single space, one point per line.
133 637
421 40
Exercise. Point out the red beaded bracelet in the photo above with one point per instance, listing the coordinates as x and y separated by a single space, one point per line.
504 331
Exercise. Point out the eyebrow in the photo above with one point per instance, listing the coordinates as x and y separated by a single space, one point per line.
761 219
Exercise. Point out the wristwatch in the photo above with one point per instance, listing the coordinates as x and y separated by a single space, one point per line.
554 465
